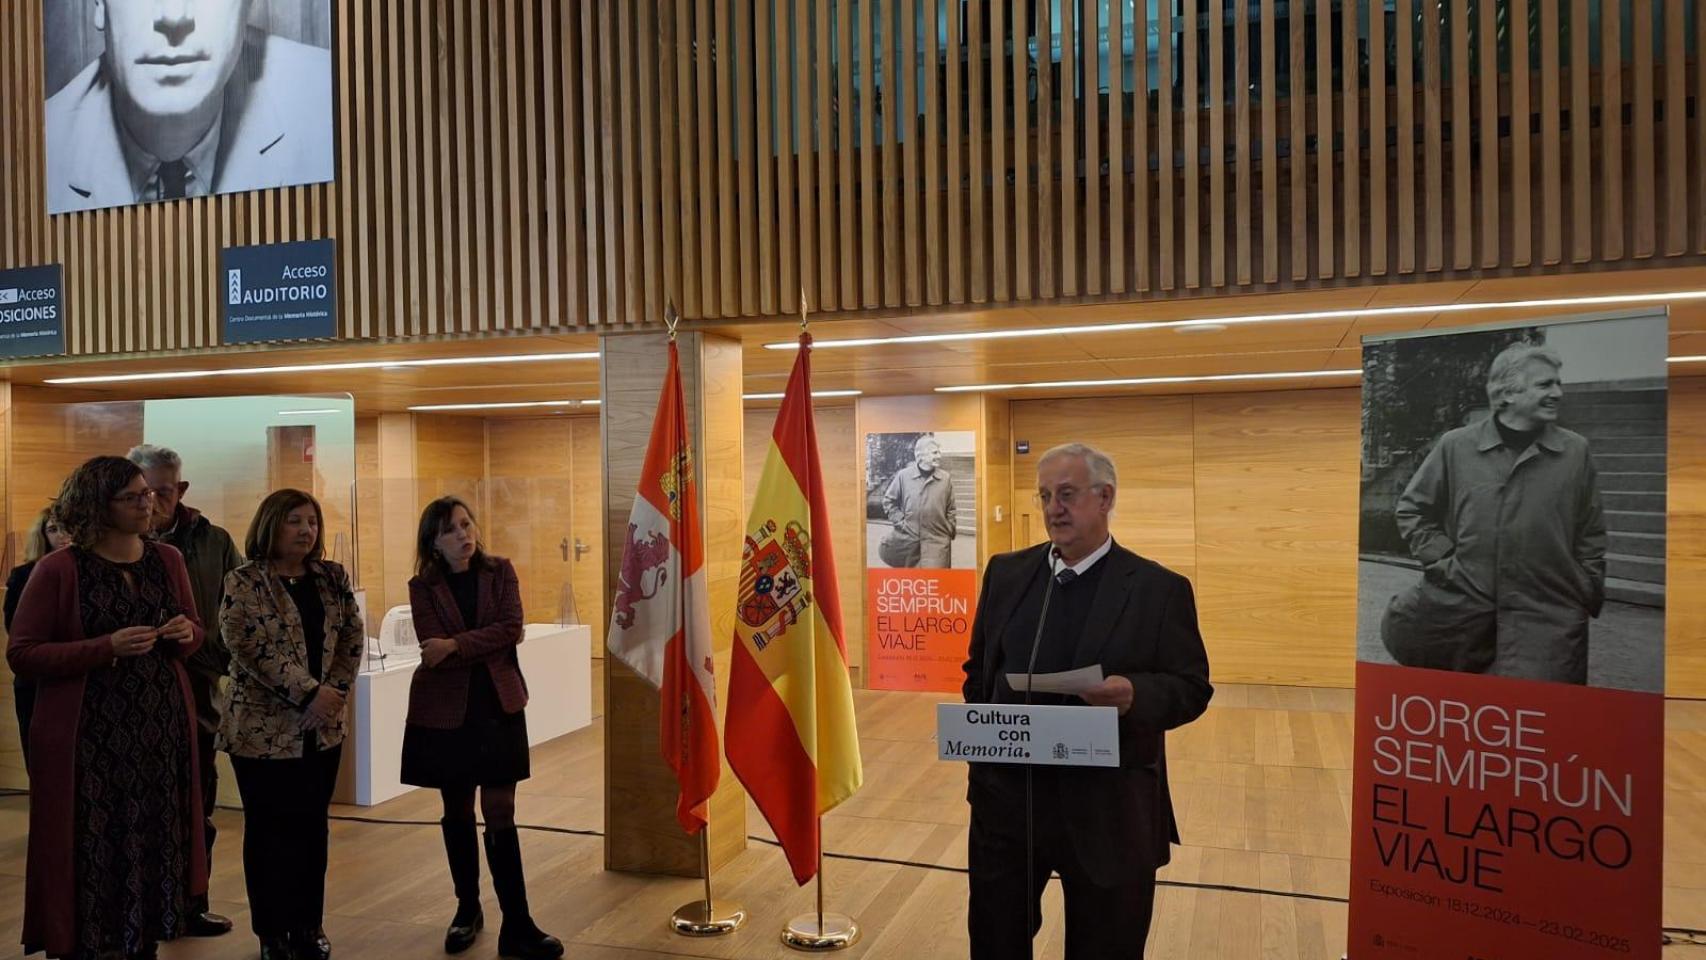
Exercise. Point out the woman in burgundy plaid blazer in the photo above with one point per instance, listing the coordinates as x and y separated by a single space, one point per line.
467 731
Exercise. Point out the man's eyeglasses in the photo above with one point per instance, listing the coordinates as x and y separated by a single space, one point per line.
1065 496
135 499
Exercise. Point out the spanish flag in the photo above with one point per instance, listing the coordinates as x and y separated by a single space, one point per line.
660 622
791 738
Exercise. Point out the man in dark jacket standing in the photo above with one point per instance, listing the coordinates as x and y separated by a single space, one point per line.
209 554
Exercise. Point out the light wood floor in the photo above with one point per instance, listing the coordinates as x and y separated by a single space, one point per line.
1261 782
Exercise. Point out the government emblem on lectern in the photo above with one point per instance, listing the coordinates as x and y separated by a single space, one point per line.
773 581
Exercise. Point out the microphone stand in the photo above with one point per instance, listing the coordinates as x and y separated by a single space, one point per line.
1030 798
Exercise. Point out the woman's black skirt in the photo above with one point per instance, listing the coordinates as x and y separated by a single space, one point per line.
489 749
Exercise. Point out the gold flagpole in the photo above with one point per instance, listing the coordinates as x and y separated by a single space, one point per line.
820 932
707 917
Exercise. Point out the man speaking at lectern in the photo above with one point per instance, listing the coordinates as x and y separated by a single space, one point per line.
1104 831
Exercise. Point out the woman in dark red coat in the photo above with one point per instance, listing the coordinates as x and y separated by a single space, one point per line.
115 847
466 729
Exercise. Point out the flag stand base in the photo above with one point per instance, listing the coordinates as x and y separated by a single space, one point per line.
821 933
707 918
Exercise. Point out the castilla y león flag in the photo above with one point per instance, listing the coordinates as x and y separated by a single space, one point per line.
660 623
792 739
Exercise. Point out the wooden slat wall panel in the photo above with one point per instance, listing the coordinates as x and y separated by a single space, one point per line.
530 164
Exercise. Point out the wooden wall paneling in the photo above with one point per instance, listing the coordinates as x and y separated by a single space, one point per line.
746 167
1643 137
910 186
530 482
369 512
669 154
1276 534
592 125
1090 65
805 149
1165 183
1043 151
846 95
429 67
1676 128
548 112
1217 145
518 187
1192 106
1067 238
1141 225
1700 132
723 56
827 149
979 106
1551 139
935 261
1245 210
891 191
609 124
1270 142
1012 69
1491 195
1298 145
1150 441
788 293
1522 163
870 264
630 173
587 570
1433 160
1612 220
996 486
649 172
765 120
1462 138
711 293
1351 170
1404 90
1326 265
393 176
1116 157
1685 545
1581 136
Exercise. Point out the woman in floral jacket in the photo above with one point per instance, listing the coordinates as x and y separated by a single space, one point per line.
296 638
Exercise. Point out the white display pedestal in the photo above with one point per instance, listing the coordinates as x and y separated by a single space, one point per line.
557 662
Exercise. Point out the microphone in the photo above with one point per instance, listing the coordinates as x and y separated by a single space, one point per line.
1064 577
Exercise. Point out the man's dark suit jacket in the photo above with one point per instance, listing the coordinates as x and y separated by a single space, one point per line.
1142 625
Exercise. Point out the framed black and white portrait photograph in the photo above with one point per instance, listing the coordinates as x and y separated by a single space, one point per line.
150 100
1513 501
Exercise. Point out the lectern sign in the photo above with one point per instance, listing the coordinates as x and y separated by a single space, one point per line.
1013 733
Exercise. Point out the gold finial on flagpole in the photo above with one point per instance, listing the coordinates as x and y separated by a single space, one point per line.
671 319
804 309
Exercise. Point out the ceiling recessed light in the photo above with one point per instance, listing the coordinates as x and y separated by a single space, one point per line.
816 395
1147 381
514 405
1348 313
325 367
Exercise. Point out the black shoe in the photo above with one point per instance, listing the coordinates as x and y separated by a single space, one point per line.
206 925
276 948
468 922
519 939
150 952
527 942
311 944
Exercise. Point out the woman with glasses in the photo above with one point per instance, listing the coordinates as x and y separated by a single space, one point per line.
103 627
46 536
290 621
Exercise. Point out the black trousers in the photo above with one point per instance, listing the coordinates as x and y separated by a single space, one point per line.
207 726
1102 922
284 838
